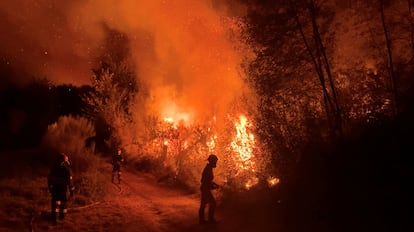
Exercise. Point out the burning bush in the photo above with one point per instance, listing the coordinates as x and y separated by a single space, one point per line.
180 150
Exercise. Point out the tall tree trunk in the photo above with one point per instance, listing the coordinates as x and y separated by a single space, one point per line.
318 67
321 64
320 49
390 61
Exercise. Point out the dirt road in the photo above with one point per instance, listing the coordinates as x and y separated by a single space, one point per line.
138 204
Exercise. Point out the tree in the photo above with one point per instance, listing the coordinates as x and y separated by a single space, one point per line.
316 50
110 102
114 87
390 58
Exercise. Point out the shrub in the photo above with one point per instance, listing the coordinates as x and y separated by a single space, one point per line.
68 135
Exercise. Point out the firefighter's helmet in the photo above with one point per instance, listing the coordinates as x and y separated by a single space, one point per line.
212 158
61 157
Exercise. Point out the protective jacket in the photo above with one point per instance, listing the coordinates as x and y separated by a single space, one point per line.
116 162
60 180
207 197
60 176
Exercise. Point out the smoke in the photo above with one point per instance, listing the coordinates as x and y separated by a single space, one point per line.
42 39
187 52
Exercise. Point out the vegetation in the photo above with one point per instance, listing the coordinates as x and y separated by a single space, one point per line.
68 135
327 70
328 74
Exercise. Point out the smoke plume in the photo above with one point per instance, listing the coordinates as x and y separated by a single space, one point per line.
187 52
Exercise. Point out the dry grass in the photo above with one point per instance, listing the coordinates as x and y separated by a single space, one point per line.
25 195
21 198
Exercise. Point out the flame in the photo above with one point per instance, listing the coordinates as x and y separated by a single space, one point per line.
243 144
212 143
251 182
242 163
173 114
272 181
168 119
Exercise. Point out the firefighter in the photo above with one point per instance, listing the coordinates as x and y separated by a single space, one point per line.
60 180
117 161
207 184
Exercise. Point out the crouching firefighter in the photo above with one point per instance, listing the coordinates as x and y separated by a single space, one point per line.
60 180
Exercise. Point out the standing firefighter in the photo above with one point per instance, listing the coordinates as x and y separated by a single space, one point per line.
60 180
207 185
117 160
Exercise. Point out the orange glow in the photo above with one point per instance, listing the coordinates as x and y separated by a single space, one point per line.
187 55
272 181
211 144
251 182
172 114
243 144
167 119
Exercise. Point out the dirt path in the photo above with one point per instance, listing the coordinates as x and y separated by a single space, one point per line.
138 204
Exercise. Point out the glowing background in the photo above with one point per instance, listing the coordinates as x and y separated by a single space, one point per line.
183 49
187 53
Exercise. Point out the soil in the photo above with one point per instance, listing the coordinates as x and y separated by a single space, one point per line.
139 203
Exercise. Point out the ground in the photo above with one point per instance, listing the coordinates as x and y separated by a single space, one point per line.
139 203
318 199
142 202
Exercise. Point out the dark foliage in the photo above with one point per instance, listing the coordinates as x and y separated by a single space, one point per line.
27 111
363 184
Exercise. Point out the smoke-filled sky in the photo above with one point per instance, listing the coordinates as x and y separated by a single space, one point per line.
185 50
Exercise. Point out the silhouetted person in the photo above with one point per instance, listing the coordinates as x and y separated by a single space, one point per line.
60 180
117 161
207 185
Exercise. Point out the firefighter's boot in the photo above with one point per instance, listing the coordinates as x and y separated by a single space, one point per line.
53 215
62 210
55 211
